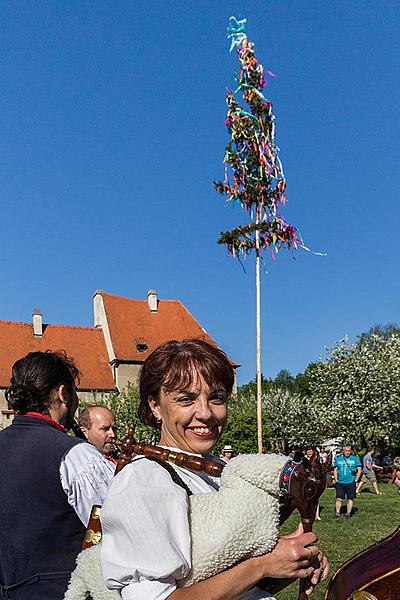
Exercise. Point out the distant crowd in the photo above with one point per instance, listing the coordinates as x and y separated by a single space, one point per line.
349 473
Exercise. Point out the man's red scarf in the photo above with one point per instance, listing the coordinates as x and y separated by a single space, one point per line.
44 418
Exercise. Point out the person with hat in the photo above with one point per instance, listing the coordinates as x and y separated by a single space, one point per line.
227 453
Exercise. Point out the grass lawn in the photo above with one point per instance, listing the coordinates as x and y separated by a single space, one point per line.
374 518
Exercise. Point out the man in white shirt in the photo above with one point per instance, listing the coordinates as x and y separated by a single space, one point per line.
98 425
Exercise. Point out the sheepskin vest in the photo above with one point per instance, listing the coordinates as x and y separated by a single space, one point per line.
41 534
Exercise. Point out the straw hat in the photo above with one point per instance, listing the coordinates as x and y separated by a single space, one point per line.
227 449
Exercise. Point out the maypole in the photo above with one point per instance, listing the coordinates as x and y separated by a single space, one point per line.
258 340
258 183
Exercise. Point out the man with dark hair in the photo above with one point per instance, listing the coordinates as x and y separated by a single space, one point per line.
49 480
346 473
98 425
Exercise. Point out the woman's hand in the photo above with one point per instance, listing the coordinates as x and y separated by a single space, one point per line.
319 563
296 556
397 482
321 571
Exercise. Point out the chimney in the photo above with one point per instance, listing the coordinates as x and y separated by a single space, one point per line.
152 300
37 322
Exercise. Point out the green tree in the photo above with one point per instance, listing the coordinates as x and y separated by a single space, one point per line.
251 387
288 419
284 379
241 428
292 419
302 381
384 331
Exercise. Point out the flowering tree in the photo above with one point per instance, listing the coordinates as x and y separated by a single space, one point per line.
295 420
358 388
282 412
355 393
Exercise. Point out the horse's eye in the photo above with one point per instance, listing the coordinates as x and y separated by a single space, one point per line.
310 490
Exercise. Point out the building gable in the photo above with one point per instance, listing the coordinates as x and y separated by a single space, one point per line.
137 327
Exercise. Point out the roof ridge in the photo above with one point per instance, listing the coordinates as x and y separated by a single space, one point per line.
196 320
29 324
15 322
90 327
103 293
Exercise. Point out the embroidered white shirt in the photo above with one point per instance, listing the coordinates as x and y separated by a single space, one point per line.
85 477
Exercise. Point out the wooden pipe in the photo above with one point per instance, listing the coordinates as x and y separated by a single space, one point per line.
130 446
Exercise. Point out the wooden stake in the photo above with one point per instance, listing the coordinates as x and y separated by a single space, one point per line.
258 341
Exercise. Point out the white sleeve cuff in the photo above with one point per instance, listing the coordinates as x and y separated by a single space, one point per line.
159 589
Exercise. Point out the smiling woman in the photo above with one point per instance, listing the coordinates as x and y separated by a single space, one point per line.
146 549
184 387
193 419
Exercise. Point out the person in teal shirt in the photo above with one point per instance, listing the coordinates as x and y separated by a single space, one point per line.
346 473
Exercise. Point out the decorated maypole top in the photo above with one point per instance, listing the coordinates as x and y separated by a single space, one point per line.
258 183
258 180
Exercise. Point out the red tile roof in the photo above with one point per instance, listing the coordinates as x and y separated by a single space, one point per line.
131 321
84 344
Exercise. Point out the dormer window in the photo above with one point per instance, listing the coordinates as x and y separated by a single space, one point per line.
141 345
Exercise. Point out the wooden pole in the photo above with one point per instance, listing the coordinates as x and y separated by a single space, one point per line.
258 341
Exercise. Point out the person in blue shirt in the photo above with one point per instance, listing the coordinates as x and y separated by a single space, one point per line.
346 473
368 472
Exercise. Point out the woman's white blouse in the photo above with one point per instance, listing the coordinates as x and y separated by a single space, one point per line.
146 537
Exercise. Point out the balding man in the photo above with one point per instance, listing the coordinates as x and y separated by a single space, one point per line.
98 425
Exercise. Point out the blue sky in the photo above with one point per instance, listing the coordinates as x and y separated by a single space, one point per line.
112 130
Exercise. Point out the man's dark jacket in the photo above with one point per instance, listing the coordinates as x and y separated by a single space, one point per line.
41 534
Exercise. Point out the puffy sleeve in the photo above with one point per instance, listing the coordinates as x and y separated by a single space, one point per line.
85 477
146 539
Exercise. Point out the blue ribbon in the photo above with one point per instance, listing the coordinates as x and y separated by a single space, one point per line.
236 31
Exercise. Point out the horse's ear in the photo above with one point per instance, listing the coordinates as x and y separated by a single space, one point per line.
306 464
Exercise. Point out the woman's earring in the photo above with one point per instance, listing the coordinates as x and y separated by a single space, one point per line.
158 420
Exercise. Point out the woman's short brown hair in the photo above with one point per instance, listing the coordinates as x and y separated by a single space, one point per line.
173 366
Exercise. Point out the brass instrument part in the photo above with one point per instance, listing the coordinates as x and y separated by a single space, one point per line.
92 537
93 532
172 457
95 514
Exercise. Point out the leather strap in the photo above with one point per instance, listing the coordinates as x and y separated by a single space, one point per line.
174 475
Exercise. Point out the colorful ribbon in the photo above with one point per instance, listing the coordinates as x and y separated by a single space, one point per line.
258 181
236 31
